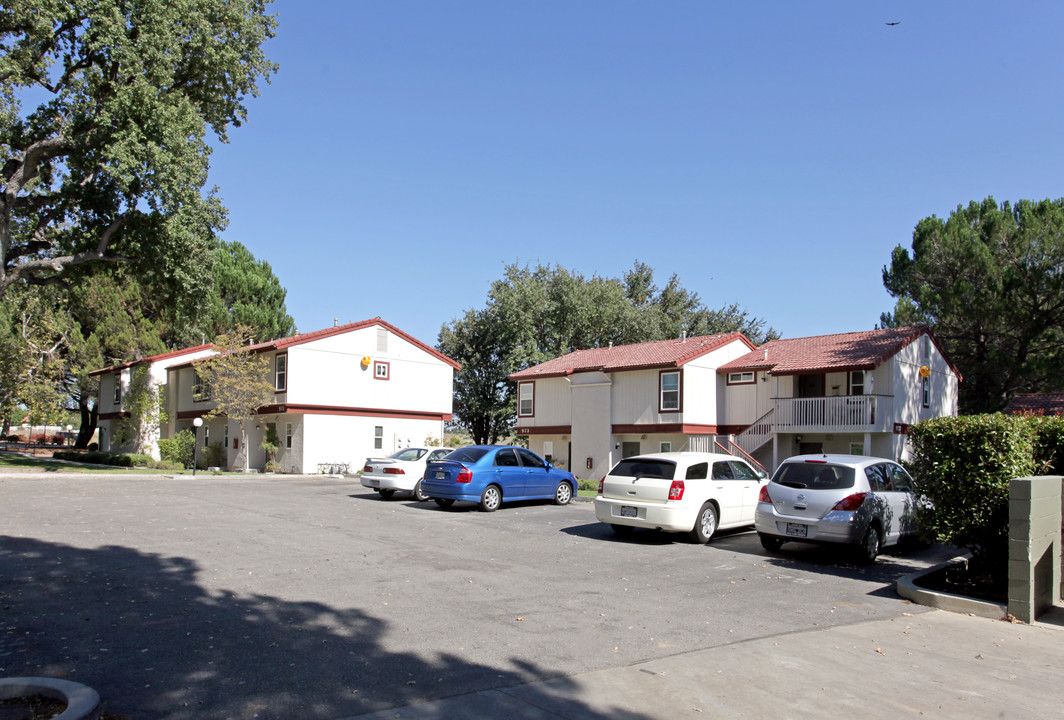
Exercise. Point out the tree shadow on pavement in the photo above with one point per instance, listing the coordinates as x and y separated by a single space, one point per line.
142 632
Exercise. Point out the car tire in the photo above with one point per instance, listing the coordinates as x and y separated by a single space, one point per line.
563 493
444 502
386 493
622 530
419 494
771 543
705 524
868 550
490 499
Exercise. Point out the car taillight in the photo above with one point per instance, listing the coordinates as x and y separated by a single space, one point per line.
763 496
368 468
851 502
676 490
394 471
465 475
601 483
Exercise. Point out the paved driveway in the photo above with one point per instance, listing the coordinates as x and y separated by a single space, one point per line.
281 597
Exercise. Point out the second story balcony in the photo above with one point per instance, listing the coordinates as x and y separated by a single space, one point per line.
843 413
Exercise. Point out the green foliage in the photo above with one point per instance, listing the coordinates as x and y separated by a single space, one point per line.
247 293
270 445
988 281
178 449
584 484
214 456
240 380
168 465
537 313
145 403
102 458
33 327
963 467
111 164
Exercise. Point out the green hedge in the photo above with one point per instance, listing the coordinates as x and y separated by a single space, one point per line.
99 458
179 448
963 467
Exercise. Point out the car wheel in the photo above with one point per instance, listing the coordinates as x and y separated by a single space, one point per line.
770 542
386 492
444 502
491 498
868 550
419 494
705 524
563 493
622 530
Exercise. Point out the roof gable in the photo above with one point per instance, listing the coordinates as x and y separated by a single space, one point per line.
864 350
640 356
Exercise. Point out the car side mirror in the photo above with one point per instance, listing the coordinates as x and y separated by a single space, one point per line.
549 466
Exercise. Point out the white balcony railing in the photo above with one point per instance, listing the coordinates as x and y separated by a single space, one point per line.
846 413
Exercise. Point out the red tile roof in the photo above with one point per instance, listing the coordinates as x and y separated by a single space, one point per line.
1036 403
641 356
865 350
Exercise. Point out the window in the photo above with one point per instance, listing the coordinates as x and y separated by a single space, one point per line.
506 458
878 478
280 376
201 391
629 449
723 471
382 370
669 383
206 435
118 388
643 468
857 448
530 459
378 437
857 382
225 435
925 391
288 435
741 378
743 471
900 479
697 471
926 347
526 399
666 447
548 450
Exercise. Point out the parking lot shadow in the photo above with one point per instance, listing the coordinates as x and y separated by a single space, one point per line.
142 631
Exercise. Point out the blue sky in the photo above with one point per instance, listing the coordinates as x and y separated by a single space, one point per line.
772 154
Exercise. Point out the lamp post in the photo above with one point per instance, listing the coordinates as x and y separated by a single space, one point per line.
69 428
198 422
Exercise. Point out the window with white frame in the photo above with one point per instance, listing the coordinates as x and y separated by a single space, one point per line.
378 437
225 435
288 435
666 447
669 390
382 370
925 391
280 373
857 382
206 435
548 450
526 392
741 378
118 389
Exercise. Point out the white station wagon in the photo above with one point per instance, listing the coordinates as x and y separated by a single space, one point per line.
692 492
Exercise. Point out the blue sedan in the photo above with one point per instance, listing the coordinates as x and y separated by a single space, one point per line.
491 474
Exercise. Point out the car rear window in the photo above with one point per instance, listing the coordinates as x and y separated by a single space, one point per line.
469 455
637 467
410 454
814 476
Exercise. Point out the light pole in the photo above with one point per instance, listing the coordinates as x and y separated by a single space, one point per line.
198 422
69 428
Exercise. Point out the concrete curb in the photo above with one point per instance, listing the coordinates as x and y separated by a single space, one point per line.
908 589
83 703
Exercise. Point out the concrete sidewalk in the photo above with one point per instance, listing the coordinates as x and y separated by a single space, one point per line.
933 664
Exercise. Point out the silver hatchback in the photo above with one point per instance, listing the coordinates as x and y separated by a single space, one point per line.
866 502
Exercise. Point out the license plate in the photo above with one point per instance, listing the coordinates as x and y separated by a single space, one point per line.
797 530
629 511
375 483
440 474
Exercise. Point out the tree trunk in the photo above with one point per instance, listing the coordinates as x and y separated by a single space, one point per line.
89 417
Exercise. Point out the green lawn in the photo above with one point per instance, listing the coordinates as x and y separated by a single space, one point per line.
21 462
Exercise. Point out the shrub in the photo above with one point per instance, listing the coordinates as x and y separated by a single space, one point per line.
178 449
963 467
93 447
1048 443
214 456
168 465
583 484
141 460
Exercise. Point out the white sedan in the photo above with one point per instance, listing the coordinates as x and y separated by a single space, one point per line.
692 492
400 471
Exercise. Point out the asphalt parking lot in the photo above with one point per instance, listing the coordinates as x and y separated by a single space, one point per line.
310 597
